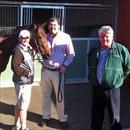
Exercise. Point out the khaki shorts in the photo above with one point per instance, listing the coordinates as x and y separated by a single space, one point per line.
23 94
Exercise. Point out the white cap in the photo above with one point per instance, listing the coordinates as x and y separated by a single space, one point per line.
24 34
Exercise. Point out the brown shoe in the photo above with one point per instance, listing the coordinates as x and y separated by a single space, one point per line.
64 124
43 122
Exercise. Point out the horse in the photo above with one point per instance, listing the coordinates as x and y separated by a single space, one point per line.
9 40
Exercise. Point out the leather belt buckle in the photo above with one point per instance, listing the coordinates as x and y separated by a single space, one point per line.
52 69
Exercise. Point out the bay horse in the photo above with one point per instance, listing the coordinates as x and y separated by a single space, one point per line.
9 40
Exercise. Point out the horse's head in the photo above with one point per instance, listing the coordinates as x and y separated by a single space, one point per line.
39 41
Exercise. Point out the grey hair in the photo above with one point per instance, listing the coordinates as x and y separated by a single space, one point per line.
106 29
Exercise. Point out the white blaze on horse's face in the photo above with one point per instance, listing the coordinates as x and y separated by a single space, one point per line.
53 27
24 40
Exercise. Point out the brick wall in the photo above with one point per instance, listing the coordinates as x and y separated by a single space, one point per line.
123 27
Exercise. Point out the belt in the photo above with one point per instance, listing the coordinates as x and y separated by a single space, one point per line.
56 69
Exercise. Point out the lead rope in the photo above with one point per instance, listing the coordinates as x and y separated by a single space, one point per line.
60 91
38 57
61 86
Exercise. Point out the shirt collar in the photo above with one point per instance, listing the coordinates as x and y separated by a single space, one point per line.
24 47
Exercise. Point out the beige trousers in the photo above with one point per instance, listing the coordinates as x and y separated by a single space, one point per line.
50 81
23 94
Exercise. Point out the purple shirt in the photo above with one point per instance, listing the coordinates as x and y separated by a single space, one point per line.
62 50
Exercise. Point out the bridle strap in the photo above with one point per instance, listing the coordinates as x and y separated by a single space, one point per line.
36 43
61 86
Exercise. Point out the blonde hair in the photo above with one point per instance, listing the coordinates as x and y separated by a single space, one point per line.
106 29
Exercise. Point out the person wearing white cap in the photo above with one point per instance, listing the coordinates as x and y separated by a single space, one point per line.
24 34
23 74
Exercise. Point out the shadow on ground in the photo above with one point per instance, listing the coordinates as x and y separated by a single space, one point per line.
33 117
78 104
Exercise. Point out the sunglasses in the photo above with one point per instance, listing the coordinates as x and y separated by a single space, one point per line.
24 37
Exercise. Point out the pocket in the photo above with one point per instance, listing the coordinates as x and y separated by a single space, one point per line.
23 78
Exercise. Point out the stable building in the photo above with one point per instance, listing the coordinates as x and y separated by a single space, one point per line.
80 19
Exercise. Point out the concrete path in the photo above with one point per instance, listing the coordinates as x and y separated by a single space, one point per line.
78 103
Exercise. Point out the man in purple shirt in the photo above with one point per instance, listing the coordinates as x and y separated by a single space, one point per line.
62 54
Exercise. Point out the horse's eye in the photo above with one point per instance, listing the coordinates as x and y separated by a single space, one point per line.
39 37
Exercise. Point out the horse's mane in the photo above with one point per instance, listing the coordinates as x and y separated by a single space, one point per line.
8 31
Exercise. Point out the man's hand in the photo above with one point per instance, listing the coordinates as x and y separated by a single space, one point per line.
63 68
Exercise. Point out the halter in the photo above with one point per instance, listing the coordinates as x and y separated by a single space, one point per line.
41 48
38 49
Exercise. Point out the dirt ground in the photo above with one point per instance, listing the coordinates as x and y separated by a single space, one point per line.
78 103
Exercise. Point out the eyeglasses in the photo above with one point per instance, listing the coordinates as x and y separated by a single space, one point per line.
24 37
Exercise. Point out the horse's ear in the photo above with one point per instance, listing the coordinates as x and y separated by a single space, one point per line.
44 24
34 25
